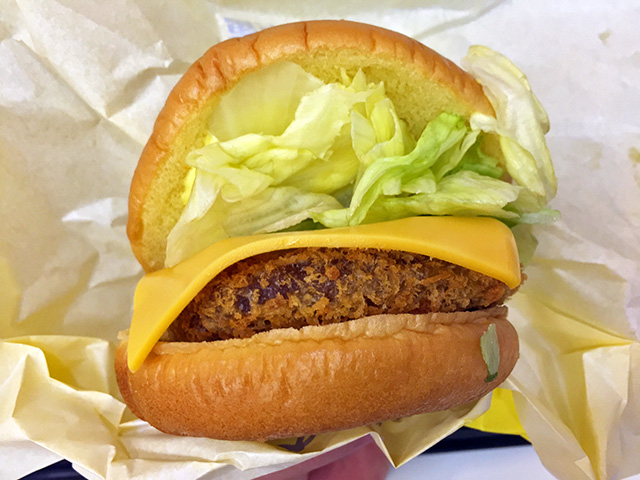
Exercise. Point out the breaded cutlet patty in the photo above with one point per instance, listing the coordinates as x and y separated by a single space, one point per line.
319 286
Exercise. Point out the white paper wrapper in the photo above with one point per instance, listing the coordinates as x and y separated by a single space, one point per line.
80 87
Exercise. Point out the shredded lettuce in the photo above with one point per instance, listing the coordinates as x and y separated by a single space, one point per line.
526 242
490 352
247 181
287 151
388 177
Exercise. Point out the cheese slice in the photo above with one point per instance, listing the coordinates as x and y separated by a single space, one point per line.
481 244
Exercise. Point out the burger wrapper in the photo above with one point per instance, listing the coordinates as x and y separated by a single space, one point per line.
80 86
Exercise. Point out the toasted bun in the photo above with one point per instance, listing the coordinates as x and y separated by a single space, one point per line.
421 83
285 383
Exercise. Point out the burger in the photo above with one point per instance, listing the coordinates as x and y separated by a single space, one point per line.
327 213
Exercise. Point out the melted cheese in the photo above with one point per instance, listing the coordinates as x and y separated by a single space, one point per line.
481 244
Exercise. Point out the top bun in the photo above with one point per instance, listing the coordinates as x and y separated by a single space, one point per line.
421 84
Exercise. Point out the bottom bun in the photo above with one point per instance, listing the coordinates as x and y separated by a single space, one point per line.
287 383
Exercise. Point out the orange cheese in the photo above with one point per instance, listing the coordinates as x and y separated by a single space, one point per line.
481 244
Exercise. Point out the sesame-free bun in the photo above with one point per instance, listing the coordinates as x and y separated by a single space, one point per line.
421 84
285 383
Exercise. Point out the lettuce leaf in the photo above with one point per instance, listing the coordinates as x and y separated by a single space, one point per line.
332 174
521 123
263 102
386 175
272 210
463 194
490 348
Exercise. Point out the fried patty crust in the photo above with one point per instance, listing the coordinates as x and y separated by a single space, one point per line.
319 286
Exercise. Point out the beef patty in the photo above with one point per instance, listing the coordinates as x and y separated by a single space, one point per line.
319 286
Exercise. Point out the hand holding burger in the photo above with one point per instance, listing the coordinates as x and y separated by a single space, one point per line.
324 210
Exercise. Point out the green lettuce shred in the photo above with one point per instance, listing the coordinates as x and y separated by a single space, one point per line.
286 151
490 352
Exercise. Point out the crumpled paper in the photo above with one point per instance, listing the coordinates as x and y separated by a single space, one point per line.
80 86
